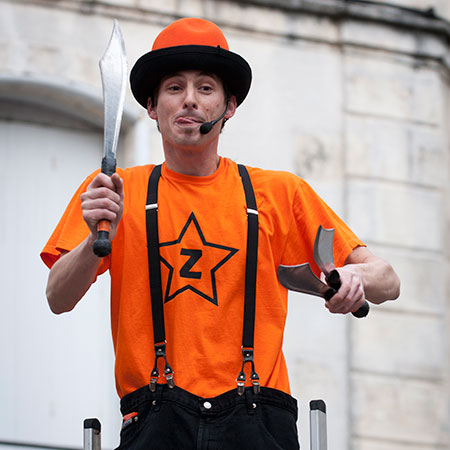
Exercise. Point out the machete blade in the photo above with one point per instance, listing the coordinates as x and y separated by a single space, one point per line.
301 278
113 69
323 250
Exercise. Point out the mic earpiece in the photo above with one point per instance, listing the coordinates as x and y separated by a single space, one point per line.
206 127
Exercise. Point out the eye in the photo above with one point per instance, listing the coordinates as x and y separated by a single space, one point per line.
206 88
173 88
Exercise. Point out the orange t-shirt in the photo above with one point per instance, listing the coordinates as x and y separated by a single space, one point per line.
202 225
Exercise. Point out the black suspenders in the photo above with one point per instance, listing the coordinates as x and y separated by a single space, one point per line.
154 270
159 334
250 284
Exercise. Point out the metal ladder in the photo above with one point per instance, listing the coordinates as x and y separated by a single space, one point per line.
317 427
92 434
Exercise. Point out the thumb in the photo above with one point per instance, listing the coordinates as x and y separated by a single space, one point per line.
118 183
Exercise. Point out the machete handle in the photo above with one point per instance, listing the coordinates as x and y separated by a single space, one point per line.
102 245
363 311
329 293
334 280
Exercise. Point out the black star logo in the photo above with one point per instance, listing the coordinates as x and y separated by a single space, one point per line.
181 257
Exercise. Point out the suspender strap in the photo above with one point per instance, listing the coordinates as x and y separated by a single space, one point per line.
252 260
154 269
154 265
250 284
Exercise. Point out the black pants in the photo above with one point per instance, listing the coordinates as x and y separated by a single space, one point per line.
174 419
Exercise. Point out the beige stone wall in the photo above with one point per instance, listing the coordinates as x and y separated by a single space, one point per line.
360 108
397 166
441 7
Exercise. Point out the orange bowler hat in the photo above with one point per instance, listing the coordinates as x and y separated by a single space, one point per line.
185 44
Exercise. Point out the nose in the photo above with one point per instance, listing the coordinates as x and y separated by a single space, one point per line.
190 99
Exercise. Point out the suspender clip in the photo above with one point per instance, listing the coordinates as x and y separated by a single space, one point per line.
168 375
154 380
255 381
247 354
241 383
160 352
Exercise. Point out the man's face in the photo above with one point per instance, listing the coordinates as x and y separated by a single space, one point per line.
184 101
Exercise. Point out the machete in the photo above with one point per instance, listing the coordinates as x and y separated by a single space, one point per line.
113 70
324 257
301 278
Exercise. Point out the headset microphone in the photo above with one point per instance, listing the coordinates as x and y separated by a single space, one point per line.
206 127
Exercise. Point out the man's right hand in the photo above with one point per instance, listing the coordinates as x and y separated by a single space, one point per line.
103 199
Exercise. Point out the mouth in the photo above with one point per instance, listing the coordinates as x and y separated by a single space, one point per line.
188 121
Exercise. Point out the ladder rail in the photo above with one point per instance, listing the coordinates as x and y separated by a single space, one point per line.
318 425
92 434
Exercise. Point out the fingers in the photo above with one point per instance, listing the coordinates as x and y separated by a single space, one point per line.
350 296
113 183
118 184
103 199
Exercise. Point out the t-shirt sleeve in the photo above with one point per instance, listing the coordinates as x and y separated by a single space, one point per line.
309 211
70 231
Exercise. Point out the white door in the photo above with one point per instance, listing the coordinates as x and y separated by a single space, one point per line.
55 370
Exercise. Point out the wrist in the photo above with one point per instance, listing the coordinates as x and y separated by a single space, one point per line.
89 241
88 249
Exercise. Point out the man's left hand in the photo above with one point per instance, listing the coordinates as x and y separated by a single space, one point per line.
350 296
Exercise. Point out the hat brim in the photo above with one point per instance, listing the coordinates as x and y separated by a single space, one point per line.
153 66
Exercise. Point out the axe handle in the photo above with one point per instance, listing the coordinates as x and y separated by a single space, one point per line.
334 280
102 245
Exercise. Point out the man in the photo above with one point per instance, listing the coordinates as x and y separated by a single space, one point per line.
195 248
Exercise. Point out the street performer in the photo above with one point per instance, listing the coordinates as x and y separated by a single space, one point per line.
197 311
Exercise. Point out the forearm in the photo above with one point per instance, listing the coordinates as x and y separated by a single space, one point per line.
71 277
379 279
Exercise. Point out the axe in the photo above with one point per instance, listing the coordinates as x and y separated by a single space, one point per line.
113 70
301 278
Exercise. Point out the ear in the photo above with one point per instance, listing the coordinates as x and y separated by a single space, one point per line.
232 105
151 110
